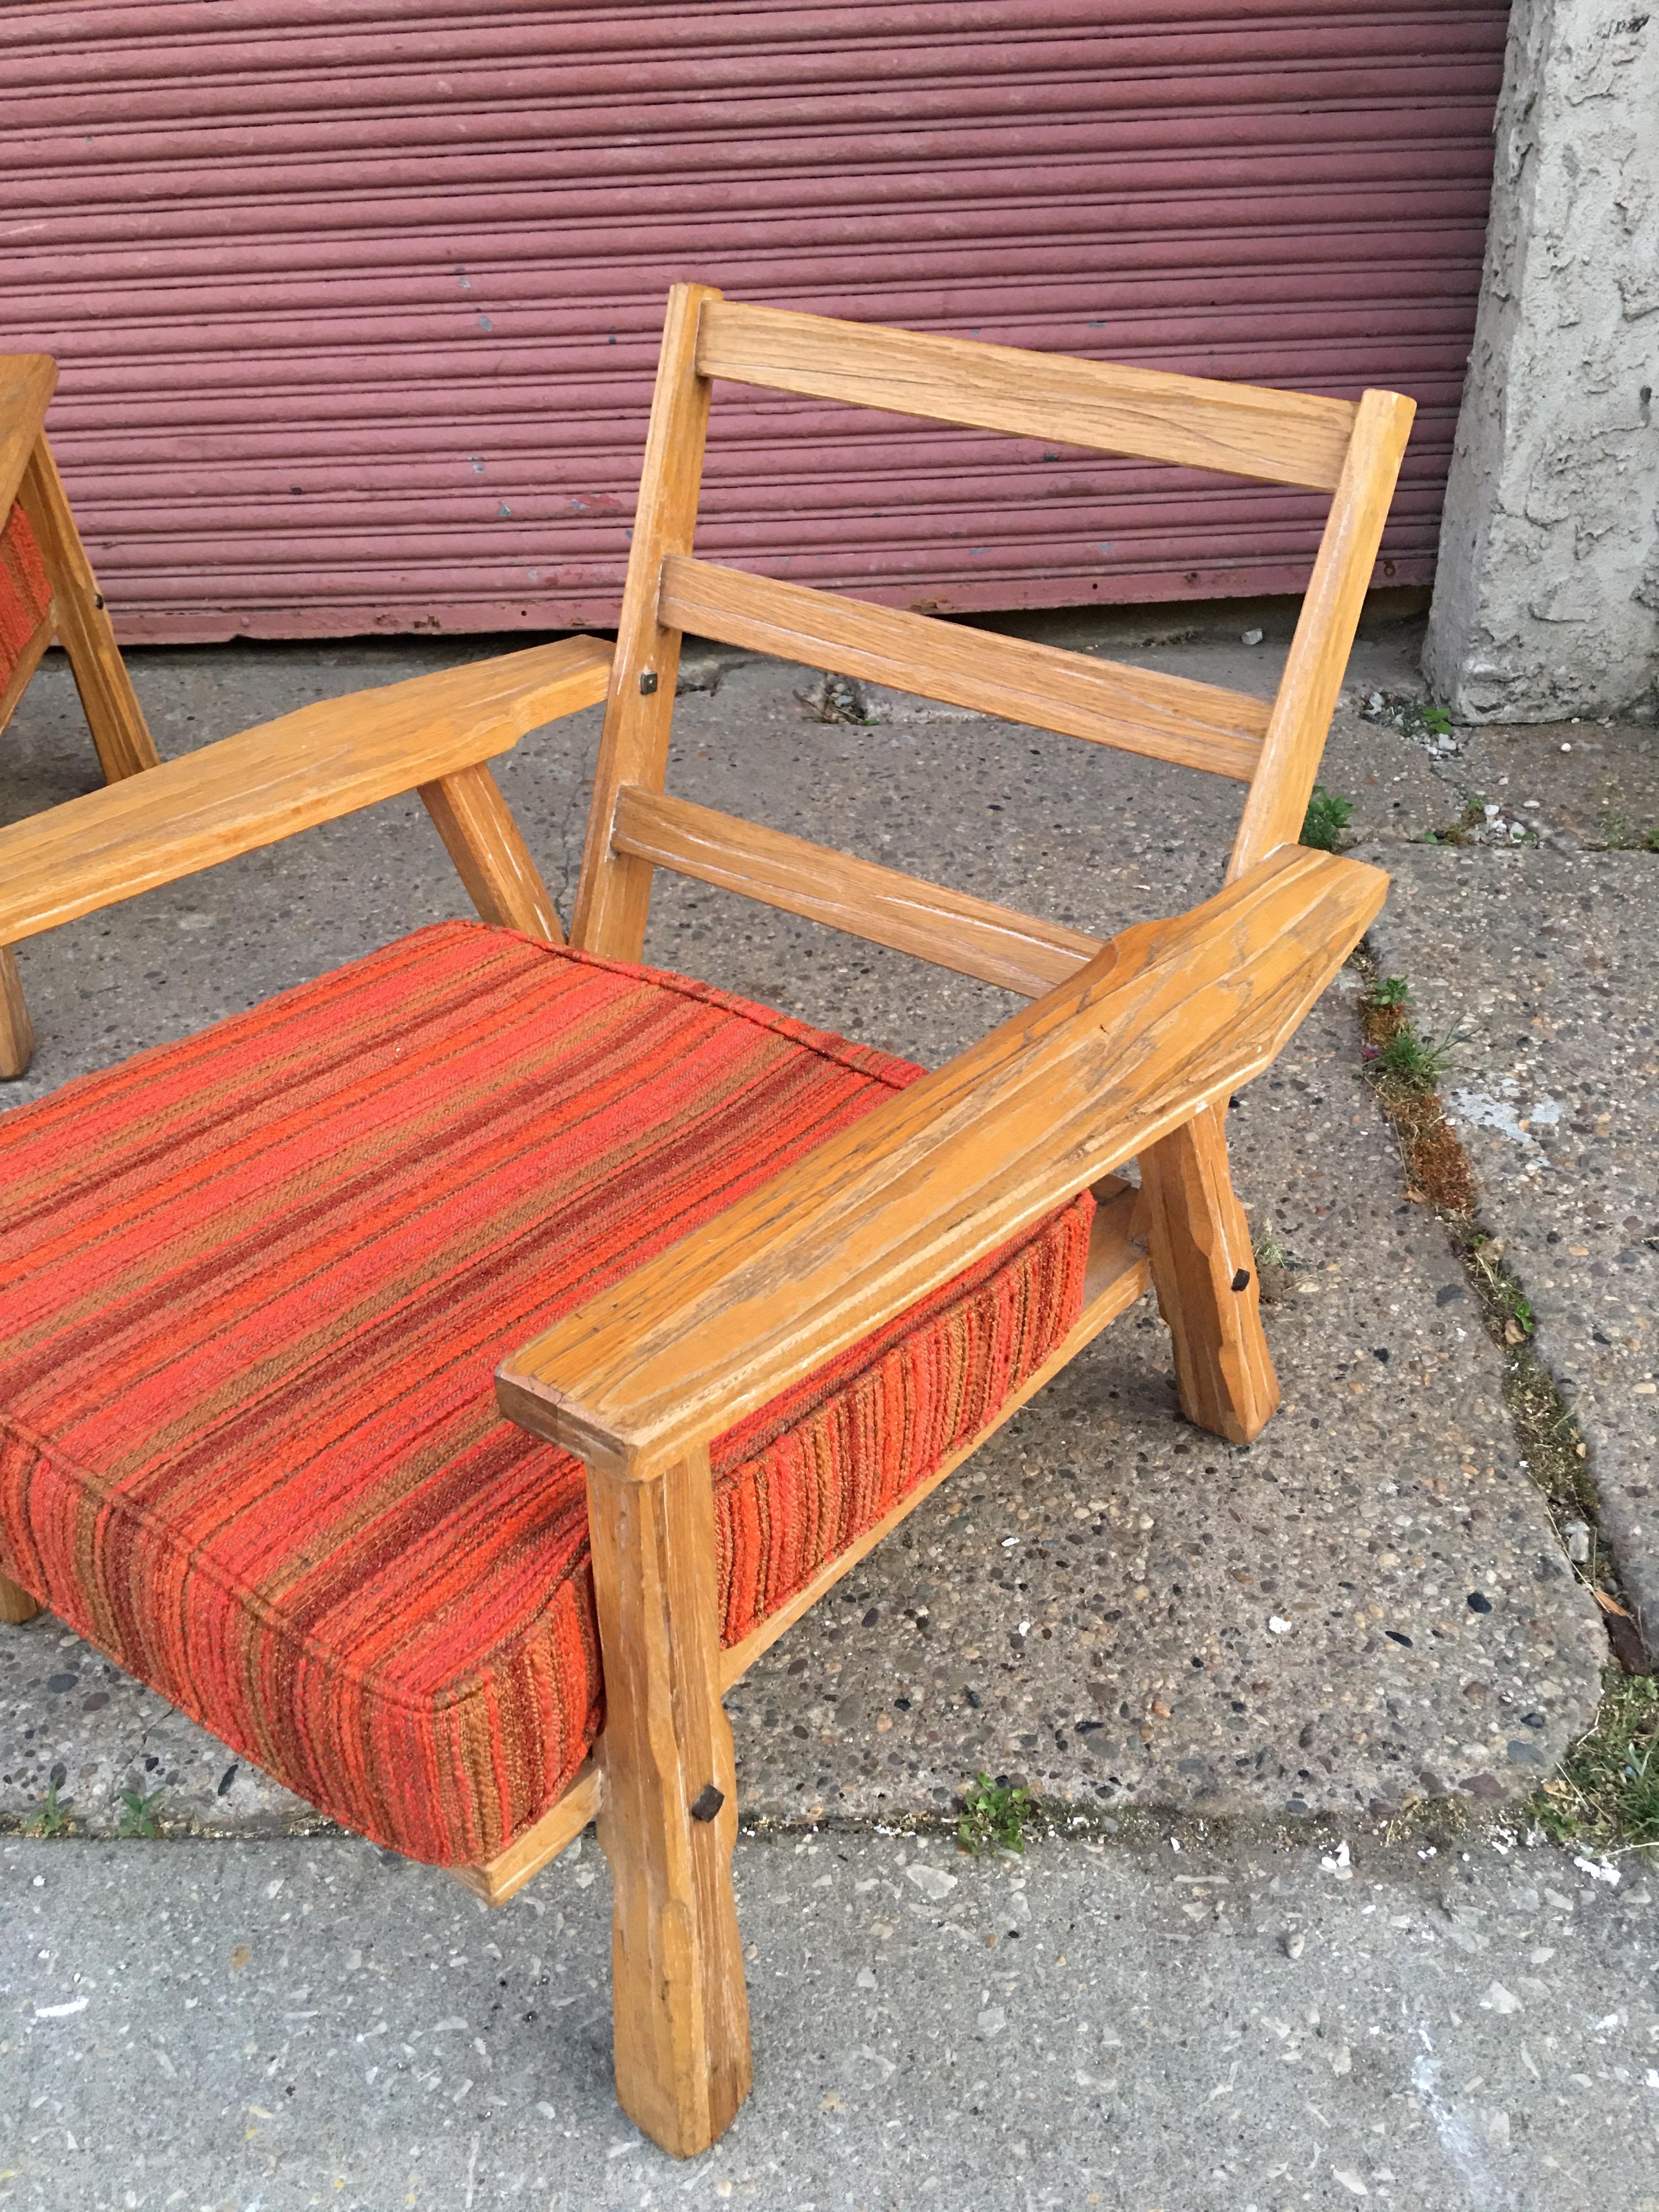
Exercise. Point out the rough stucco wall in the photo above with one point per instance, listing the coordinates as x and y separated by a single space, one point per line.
1547 596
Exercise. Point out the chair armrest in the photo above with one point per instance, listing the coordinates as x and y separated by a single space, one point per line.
1168 1017
282 777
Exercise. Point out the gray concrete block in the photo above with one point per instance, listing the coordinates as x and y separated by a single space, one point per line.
1548 583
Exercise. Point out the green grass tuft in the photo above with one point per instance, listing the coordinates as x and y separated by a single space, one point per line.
138 1813
1327 818
994 1816
52 1819
1412 1059
1607 1794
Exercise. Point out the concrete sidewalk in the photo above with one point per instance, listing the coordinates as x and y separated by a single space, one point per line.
264 2027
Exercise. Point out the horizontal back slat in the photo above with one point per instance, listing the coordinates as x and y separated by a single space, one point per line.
1241 429
968 935
1168 717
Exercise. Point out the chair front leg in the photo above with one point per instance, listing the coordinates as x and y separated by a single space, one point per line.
1204 1273
669 1813
16 1606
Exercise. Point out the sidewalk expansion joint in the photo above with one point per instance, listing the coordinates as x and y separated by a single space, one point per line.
1404 1070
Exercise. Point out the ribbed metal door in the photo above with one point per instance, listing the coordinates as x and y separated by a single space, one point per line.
357 299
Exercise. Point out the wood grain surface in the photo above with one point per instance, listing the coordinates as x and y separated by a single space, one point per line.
1163 717
1243 429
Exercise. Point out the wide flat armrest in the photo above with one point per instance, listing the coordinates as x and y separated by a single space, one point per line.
1168 1017
282 777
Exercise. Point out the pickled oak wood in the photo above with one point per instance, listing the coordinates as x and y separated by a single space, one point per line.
613 897
1318 658
16 1030
1170 1014
312 766
16 1606
491 856
1243 429
1118 1273
28 381
505 1875
116 719
1166 717
1204 1273
969 935
680 2007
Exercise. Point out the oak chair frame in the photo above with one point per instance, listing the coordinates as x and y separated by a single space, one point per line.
1124 1053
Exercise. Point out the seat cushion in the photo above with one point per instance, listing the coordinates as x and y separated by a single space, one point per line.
253 1288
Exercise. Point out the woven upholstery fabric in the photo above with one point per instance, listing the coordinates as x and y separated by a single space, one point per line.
253 1287
25 594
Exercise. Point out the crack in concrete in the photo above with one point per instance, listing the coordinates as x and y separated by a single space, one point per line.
1549 1442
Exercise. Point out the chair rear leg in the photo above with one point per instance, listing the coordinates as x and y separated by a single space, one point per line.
84 629
668 1816
16 1030
1204 1271
16 1606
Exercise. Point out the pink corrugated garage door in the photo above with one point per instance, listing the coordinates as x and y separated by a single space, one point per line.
357 299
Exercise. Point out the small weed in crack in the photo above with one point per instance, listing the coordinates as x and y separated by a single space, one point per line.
1274 1270
1404 1077
52 1819
994 1816
1327 818
1617 833
138 1813
1415 718
1485 1257
1605 1795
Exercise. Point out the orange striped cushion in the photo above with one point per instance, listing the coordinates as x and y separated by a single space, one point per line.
253 1287
25 594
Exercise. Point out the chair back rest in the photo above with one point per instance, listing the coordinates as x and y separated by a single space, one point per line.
1349 450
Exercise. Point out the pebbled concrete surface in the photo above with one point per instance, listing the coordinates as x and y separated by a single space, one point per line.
1089 1604
1542 961
273 2027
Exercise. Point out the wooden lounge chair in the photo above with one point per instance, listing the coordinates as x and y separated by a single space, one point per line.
752 1292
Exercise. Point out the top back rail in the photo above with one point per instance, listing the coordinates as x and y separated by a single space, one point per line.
1241 429
1350 449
